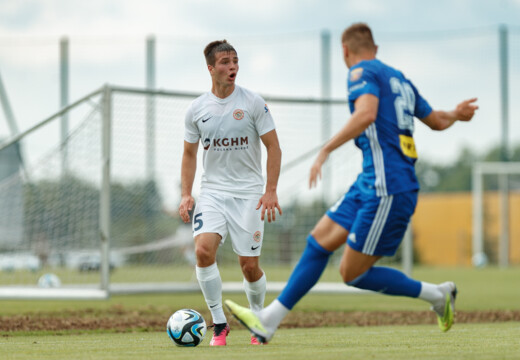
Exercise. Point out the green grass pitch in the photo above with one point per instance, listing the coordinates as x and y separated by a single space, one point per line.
468 341
482 289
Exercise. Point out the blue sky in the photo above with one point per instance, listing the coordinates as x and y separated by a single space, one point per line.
447 47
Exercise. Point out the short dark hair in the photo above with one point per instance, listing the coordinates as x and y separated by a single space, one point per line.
357 37
215 47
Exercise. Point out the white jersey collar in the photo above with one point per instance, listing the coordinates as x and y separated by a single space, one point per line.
227 99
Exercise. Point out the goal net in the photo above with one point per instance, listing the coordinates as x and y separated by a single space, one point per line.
98 207
49 206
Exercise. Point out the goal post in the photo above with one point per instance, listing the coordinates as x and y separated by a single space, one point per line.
107 223
104 201
502 171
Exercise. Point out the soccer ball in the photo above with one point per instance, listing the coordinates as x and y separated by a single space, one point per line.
49 280
186 327
479 260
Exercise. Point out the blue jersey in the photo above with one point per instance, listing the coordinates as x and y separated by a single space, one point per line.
388 146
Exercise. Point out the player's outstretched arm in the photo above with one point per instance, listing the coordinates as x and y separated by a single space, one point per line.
269 201
188 169
441 120
365 113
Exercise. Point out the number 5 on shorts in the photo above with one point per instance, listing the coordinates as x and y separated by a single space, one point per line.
198 222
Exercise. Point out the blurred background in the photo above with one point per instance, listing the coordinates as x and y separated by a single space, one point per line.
53 53
450 49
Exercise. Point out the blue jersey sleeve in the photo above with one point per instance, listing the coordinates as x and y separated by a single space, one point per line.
422 108
361 81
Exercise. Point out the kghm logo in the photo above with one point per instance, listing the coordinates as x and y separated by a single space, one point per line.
238 141
222 144
238 114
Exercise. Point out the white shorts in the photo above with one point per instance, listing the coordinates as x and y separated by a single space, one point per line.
223 214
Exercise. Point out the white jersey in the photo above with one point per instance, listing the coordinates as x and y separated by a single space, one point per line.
229 130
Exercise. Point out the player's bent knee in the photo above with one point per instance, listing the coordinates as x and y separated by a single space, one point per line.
204 255
353 278
350 276
346 276
249 269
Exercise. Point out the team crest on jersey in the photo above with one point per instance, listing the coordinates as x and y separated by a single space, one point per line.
355 74
257 236
238 114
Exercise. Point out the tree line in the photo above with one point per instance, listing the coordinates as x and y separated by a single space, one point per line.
456 177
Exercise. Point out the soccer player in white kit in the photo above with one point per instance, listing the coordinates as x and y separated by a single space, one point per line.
230 122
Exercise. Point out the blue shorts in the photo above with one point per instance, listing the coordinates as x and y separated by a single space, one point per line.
376 225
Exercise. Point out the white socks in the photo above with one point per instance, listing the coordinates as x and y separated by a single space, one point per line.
255 292
211 286
430 292
272 315
436 295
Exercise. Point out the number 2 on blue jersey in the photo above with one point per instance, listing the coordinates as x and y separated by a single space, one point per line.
404 103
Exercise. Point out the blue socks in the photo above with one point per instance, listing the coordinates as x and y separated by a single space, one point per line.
387 281
306 273
314 260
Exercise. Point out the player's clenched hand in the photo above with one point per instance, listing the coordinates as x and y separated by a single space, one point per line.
316 169
466 109
269 203
185 207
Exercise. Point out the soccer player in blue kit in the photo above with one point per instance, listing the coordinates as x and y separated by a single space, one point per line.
373 215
